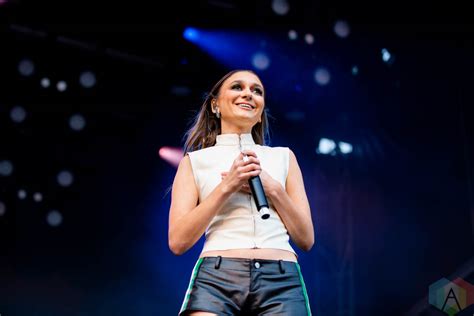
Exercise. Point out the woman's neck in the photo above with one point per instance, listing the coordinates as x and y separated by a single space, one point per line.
235 130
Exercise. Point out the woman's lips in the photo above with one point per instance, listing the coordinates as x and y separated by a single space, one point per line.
246 106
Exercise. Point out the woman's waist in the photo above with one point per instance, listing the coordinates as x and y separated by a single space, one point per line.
252 253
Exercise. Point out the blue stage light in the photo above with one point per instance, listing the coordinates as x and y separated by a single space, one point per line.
191 34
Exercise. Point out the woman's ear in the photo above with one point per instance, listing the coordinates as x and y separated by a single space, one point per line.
213 105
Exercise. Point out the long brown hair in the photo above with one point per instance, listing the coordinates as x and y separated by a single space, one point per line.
206 126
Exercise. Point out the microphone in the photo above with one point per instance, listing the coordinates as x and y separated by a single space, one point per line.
259 195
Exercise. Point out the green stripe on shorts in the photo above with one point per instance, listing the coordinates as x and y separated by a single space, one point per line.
191 283
304 289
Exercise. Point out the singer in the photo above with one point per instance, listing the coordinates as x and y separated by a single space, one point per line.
247 265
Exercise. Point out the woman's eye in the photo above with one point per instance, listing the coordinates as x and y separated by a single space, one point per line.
236 86
258 91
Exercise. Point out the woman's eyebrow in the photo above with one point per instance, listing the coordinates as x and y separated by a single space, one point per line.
253 83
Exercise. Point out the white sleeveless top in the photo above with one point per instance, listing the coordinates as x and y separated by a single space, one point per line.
238 224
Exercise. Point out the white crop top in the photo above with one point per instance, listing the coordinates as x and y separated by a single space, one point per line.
238 224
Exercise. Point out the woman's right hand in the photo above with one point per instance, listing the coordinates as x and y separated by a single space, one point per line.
241 171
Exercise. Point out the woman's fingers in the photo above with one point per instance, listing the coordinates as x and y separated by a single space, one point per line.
245 166
250 160
242 160
249 153
245 170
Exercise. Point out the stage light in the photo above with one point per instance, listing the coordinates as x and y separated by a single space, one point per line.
326 146
6 168
3 208
342 29
65 178
292 35
387 57
322 76
280 7
260 61
54 218
38 197
87 79
21 194
26 67
61 86
171 155
191 34
77 122
45 83
309 38
355 70
18 114
345 148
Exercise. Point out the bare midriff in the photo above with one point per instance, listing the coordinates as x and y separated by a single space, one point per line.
252 253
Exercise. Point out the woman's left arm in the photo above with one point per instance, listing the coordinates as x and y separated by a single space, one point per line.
292 204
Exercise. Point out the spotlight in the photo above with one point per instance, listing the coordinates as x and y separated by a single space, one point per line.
342 29
309 39
326 146
191 34
22 194
61 86
387 57
38 197
260 61
65 178
292 35
6 168
171 155
77 122
26 67
54 218
87 79
345 148
322 76
355 70
45 82
18 114
280 7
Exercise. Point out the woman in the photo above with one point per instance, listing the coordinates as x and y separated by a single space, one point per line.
247 265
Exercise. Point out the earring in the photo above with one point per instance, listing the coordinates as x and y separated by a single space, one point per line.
216 109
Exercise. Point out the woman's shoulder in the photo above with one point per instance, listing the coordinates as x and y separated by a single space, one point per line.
202 153
275 149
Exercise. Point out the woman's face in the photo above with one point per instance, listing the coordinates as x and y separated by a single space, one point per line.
240 101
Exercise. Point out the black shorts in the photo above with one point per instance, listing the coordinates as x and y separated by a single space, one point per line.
235 286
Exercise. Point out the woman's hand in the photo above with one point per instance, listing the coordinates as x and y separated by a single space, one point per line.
269 184
241 171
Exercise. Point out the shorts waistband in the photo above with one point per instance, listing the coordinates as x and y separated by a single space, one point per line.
244 264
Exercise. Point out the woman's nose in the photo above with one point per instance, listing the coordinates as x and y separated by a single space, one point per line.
247 93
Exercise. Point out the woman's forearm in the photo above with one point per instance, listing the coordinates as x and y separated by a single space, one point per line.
187 230
299 226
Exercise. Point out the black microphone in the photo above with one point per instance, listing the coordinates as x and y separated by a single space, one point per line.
258 193
259 196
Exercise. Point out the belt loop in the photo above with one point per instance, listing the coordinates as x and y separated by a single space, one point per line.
282 269
218 262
